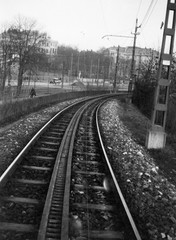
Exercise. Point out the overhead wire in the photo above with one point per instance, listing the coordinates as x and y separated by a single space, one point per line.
103 16
106 27
137 13
147 19
147 13
139 8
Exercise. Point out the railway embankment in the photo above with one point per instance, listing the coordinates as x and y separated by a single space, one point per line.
12 110
147 176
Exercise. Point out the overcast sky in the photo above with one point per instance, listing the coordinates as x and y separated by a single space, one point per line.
83 23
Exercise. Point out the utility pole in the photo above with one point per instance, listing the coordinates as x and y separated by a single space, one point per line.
125 37
84 66
78 67
63 67
132 72
116 68
109 70
156 137
71 65
139 68
90 69
98 66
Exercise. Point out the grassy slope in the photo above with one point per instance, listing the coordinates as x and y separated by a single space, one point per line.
138 124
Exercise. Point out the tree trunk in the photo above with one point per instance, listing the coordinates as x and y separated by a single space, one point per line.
20 80
4 74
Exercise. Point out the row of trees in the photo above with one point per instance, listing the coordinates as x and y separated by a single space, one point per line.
87 64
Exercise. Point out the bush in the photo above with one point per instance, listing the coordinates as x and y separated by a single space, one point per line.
143 96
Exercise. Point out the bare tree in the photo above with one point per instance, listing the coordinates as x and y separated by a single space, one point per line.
6 53
23 47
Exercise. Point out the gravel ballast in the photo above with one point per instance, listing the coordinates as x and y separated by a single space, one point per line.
150 196
15 136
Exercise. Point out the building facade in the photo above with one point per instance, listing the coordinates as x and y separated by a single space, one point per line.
142 56
49 46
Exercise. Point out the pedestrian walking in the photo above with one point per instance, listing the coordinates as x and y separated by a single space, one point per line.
32 93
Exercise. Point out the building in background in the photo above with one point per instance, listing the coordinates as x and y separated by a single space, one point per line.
49 46
142 55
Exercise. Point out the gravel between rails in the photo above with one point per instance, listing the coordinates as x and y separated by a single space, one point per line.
151 197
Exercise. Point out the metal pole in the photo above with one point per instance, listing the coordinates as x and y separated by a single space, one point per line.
78 67
71 66
116 67
131 82
63 74
98 65
156 137
90 69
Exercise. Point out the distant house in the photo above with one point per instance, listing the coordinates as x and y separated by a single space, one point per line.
49 46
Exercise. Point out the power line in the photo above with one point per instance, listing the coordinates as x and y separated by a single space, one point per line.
103 16
138 11
110 35
138 8
148 11
150 14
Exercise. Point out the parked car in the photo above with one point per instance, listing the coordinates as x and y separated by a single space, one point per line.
56 81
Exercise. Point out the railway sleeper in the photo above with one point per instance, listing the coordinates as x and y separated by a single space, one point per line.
51 138
52 143
36 168
103 235
90 173
80 186
41 157
52 236
56 133
29 181
87 154
94 206
20 200
17 227
46 149
87 162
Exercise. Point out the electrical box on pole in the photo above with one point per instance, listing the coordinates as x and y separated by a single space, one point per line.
156 137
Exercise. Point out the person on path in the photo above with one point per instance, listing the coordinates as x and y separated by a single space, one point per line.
32 93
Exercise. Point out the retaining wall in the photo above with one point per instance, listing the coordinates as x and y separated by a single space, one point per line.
13 110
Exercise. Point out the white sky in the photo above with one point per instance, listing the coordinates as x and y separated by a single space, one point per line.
83 23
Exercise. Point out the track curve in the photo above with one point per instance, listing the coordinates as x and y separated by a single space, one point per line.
61 185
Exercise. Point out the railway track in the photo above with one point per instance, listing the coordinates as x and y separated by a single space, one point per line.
61 186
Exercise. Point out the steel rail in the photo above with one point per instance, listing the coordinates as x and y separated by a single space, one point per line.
65 222
11 168
66 147
133 225
68 139
19 158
